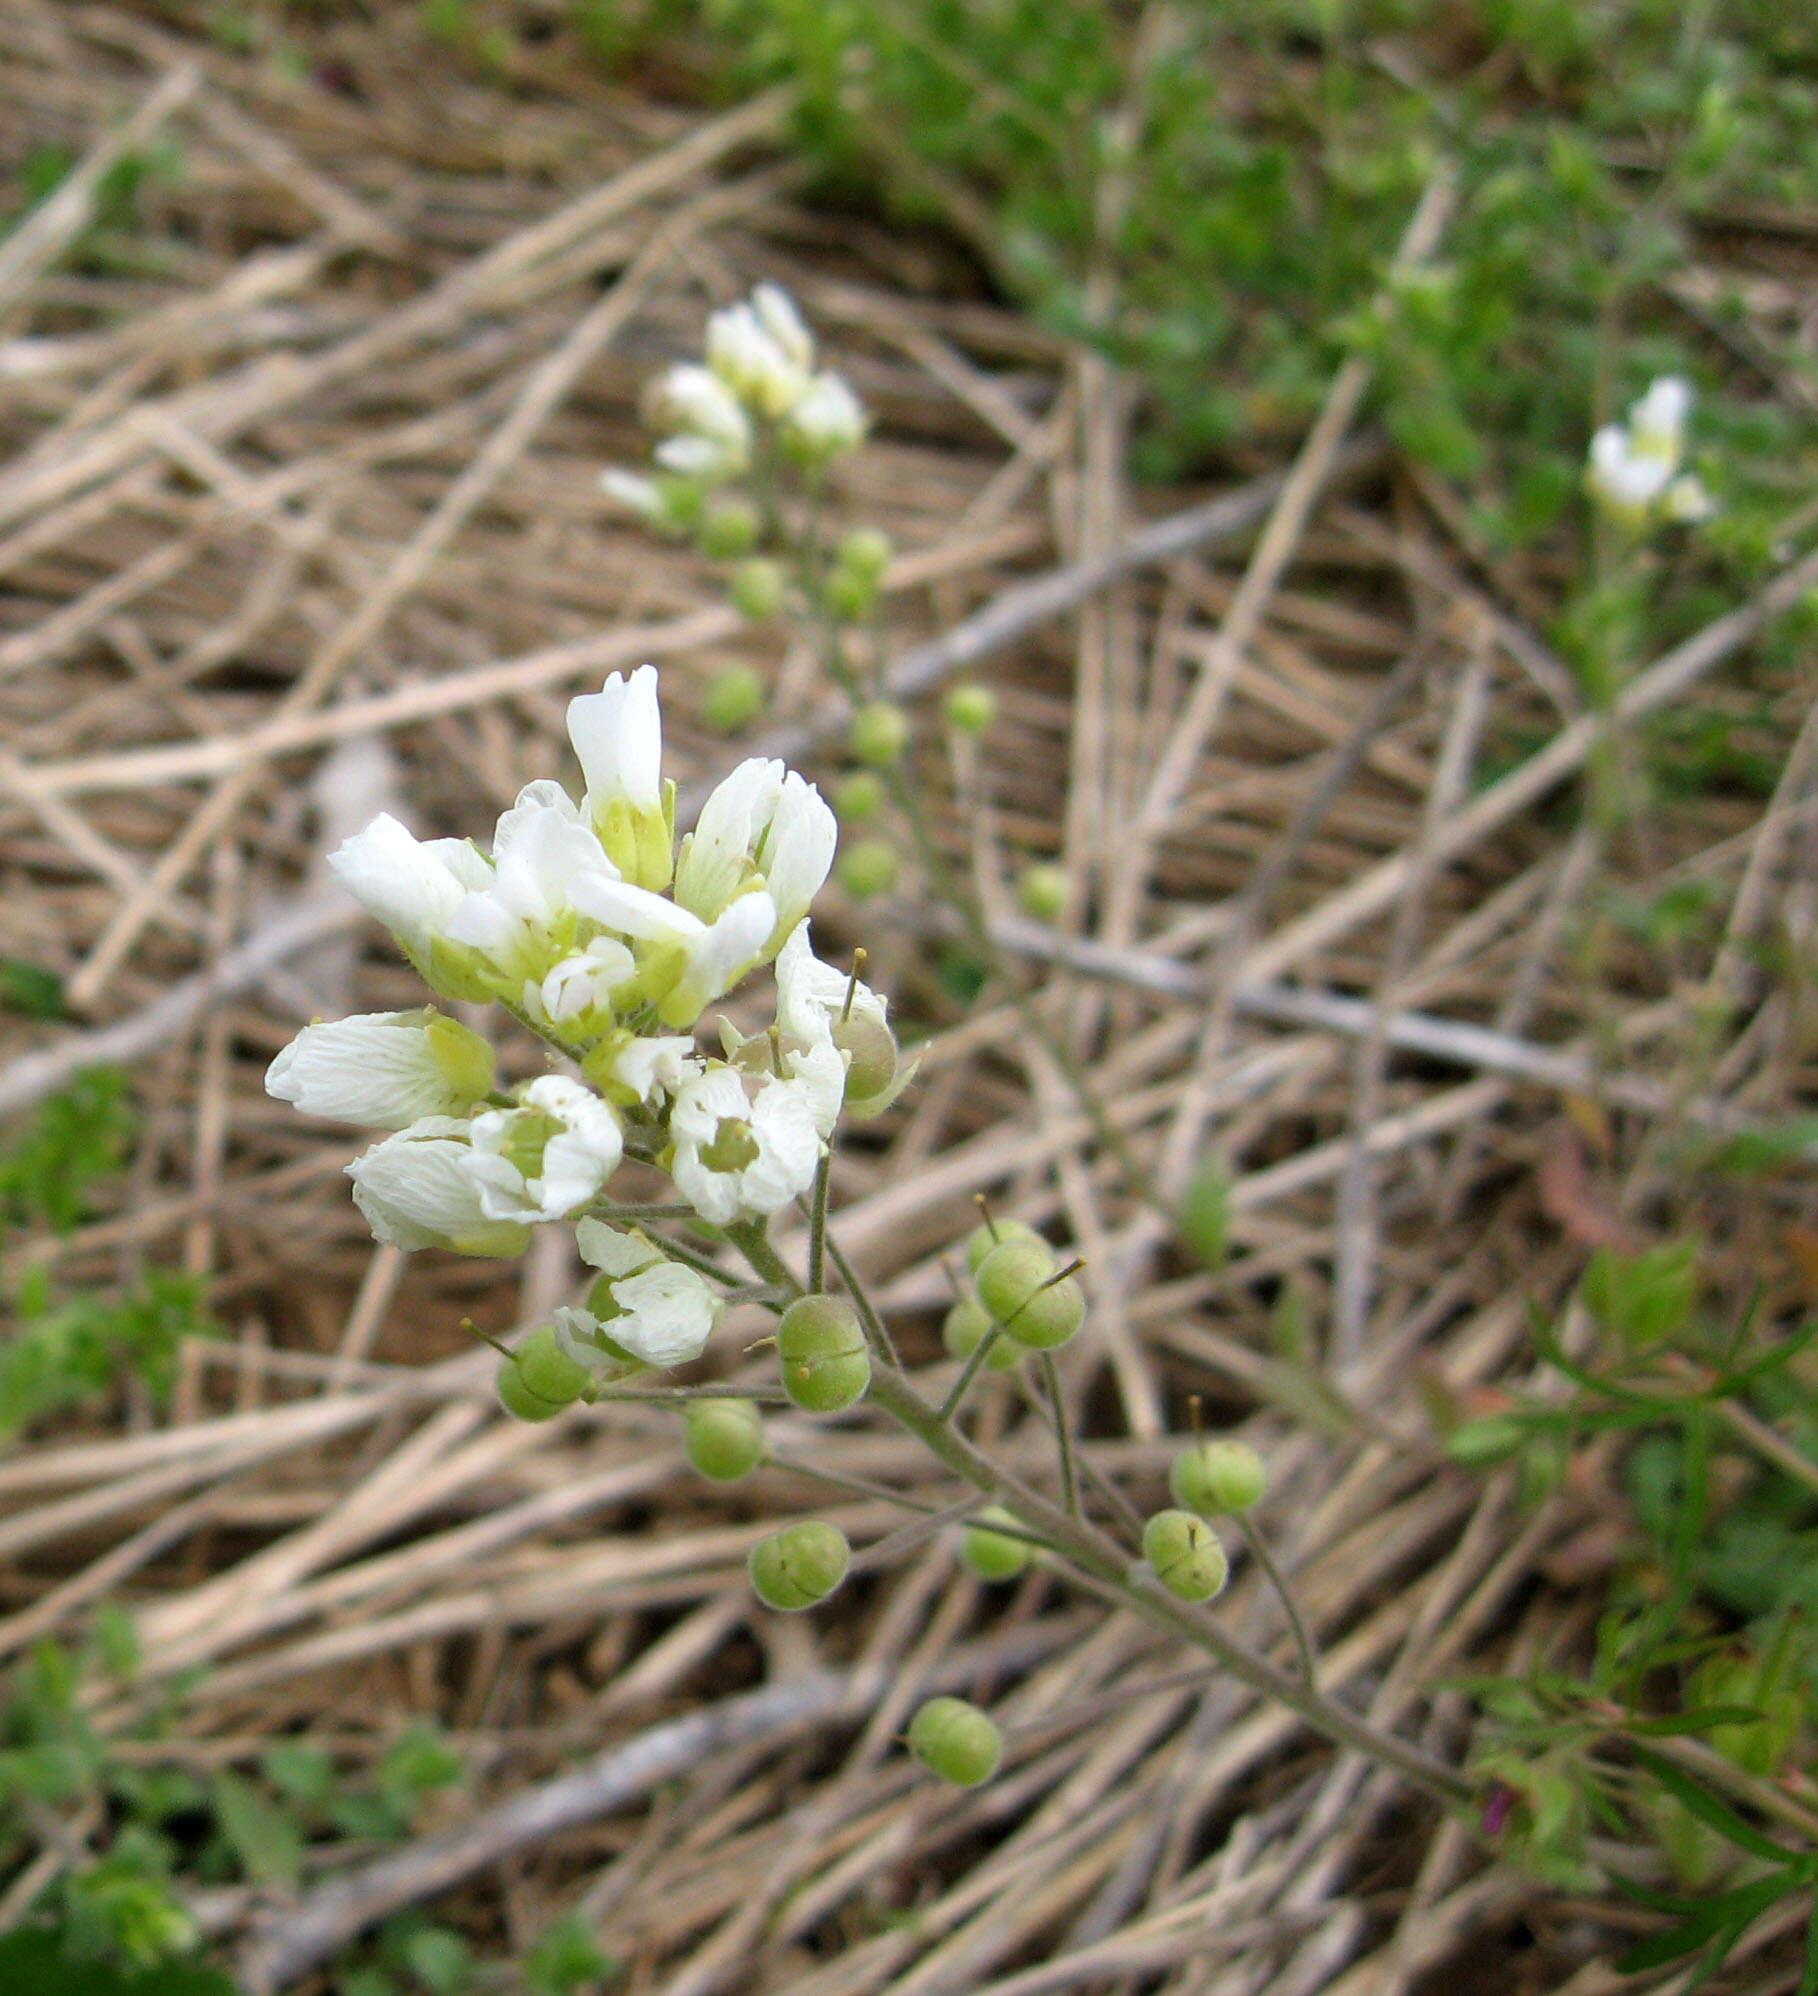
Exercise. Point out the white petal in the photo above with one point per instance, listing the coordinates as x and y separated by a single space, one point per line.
377 1067
618 736
716 859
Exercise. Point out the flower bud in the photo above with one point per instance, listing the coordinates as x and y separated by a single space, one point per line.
725 1438
864 552
758 588
1017 1284
1215 1478
826 1365
956 1741
971 709
800 1565
868 868
880 733
988 1233
994 1555
859 797
734 699
1186 1555
539 1379
964 1330
872 1048
1042 890
727 530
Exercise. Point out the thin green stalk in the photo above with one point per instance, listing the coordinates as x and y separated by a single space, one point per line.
1063 1440
817 1225
881 1342
1309 1667
857 1485
969 1372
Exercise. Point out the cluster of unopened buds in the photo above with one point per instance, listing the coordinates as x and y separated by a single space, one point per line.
1634 470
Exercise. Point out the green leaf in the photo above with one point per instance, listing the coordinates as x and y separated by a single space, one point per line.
1715 1813
265 1840
30 989
43 1959
1643 1299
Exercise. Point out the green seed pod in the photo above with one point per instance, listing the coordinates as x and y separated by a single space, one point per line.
880 733
826 1365
539 1379
873 1050
734 699
1186 1555
859 798
1016 1283
1042 890
964 1330
758 588
994 1555
971 709
800 1565
728 530
864 552
725 1438
868 868
1487 1441
956 1741
848 596
1204 1219
1218 1478
989 1233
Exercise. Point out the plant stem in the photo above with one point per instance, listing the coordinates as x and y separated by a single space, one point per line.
1254 1539
817 1225
1062 1439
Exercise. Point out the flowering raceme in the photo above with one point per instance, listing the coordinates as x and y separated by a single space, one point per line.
585 922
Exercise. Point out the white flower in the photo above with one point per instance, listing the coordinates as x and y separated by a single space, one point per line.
687 962
385 1068
1634 465
640 496
826 422
763 824
744 1145
421 1189
644 1304
1657 421
1687 501
618 736
578 992
547 1157
414 887
768 374
713 433
650 1070
522 920
812 995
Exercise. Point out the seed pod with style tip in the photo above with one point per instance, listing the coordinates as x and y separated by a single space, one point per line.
826 1363
539 1379
991 1233
800 1565
1186 1556
1018 1285
1218 1478
872 1055
963 1331
725 1438
994 1555
956 1741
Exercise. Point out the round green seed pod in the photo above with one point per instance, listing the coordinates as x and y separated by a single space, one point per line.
848 595
864 551
964 1330
539 1379
859 797
990 1233
971 709
994 1555
758 588
725 1438
1051 1316
868 868
826 1364
1218 1478
734 699
1186 1555
873 1050
880 733
956 1741
1042 890
800 1565
1017 1284
728 530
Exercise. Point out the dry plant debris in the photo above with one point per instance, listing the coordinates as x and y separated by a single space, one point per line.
298 518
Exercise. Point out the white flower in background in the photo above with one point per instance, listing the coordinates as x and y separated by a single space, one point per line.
389 1069
766 826
762 352
712 440
640 496
827 422
522 921
745 1145
618 735
414 887
685 962
1634 465
548 1156
644 1305
420 1189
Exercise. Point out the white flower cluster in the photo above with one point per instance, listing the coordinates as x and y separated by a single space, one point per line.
759 388
588 923
1634 467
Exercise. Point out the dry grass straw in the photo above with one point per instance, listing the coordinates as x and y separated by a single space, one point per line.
298 517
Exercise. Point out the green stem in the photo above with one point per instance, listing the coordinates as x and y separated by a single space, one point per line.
1102 1565
969 1372
881 1342
1309 1667
817 1225
1063 1440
